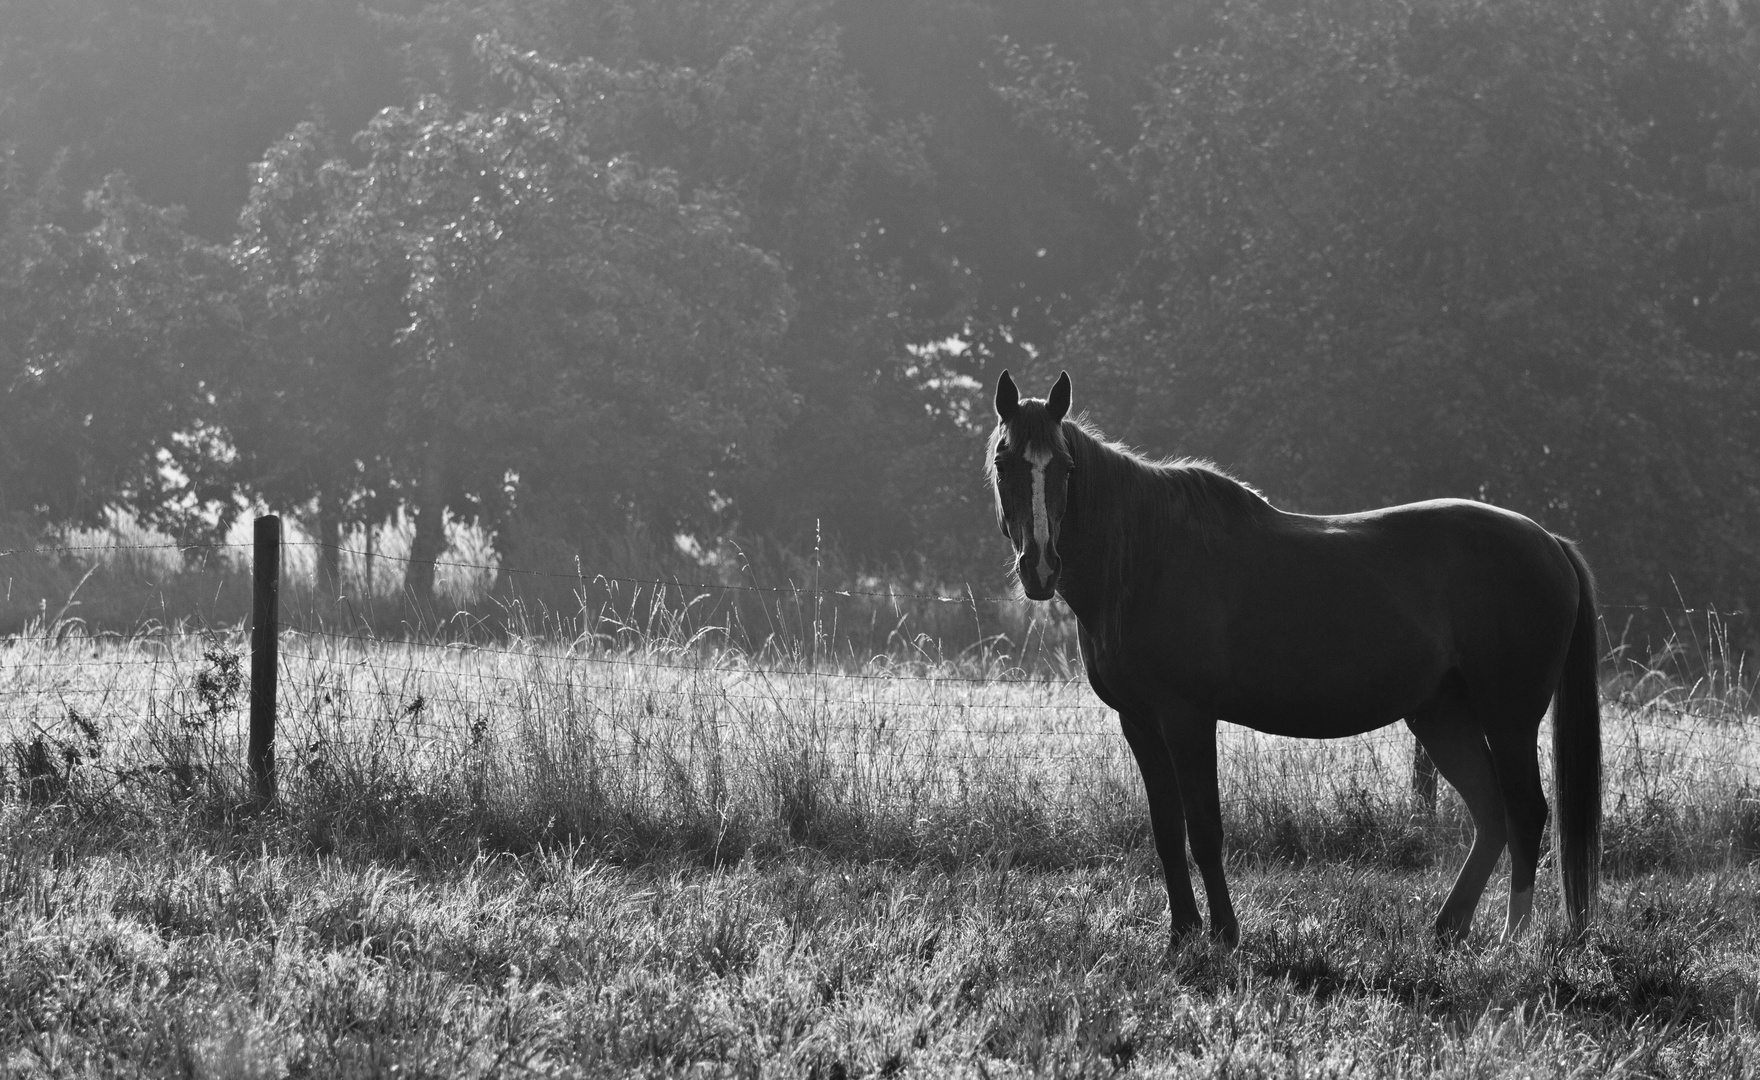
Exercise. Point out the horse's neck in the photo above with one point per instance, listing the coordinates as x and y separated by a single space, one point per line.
1092 594
1087 602
1111 565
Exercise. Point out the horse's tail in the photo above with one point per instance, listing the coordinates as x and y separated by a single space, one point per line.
1576 756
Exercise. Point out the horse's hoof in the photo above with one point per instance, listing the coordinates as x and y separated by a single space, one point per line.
1183 934
1448 935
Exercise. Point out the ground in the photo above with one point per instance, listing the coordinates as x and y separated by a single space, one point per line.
234 950
521 858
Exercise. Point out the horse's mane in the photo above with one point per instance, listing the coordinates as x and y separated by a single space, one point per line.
1130 508
1121 494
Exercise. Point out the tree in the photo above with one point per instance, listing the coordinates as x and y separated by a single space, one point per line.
751 105
110 335
183 95
320 287
1393 253
486 321
1011 241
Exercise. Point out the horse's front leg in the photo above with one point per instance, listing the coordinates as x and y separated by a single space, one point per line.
1166 817
1191 742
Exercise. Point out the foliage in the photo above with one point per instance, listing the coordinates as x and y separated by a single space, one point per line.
576 323
1395 253
182 95
753 105
485 314
110 342
304 407
1358 251
1012 241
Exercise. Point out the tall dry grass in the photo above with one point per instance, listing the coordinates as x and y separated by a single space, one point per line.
760 597
663 737
640 843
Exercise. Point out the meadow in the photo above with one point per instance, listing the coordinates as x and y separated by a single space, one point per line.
652 851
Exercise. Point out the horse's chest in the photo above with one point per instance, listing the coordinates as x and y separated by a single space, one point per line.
1136 678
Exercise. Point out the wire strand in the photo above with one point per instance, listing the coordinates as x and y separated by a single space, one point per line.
64 549
970 596
467 649
789 590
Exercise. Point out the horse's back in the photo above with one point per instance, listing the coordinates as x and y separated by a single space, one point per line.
1512 596
1353 620
1477 573
1482 561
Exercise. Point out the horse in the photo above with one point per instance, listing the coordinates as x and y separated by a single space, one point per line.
1197 601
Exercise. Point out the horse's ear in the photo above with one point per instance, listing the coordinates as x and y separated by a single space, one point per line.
1008 397
1058 402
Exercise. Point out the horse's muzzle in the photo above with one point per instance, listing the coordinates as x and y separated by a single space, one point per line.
1038 575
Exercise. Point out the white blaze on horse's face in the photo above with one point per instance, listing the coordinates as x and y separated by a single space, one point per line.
1032 492
1031 469
1037 459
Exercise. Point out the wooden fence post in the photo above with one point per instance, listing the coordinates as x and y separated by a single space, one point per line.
265 665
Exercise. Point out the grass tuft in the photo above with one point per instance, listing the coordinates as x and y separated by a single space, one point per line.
645 857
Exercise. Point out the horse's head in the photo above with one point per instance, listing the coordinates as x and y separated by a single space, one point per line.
1030 467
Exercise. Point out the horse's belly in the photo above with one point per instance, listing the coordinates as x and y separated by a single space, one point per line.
1330 686
1313 720
1310 706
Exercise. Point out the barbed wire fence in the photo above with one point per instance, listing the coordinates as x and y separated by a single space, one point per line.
673 703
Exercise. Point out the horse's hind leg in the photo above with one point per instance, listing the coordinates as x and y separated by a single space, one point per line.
1456 743
1524 804
1166 817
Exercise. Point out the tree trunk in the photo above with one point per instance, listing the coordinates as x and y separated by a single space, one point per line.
329 569
430 539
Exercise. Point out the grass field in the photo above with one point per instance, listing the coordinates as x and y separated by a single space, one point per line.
658 858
